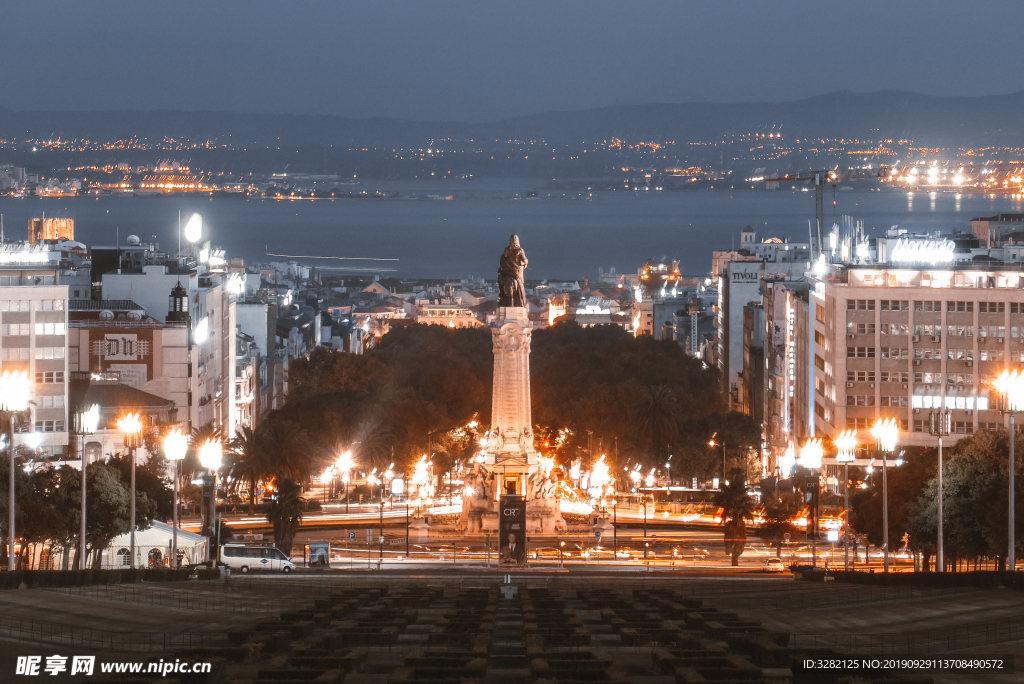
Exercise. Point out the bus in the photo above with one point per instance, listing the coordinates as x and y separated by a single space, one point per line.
247 558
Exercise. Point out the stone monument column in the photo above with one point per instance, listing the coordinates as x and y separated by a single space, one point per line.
511 413
510 464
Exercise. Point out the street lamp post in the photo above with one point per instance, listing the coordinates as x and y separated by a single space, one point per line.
886 432
939 425
345 465
712 444
210 454
130 427
175 445
811 454
14 393
1011 387
846 445
86 423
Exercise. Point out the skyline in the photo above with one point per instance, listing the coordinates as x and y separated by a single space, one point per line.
460 62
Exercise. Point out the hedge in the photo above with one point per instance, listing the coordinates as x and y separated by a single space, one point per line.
78 578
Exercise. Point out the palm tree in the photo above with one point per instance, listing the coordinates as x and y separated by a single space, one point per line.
737 507
287 449
658 413
247 458
285 514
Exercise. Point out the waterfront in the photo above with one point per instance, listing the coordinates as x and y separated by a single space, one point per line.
570 235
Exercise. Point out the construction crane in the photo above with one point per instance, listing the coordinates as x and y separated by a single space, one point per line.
820 180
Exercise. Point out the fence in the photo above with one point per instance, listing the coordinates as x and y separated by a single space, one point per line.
37 632
173 598
941 640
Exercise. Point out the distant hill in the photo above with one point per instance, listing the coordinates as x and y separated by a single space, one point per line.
959 121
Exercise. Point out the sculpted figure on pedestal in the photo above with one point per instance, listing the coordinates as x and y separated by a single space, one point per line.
510 275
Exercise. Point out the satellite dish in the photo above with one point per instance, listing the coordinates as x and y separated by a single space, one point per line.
134 240
194 228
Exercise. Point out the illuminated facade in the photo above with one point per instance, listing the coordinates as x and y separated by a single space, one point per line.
42 229
929 324
33 338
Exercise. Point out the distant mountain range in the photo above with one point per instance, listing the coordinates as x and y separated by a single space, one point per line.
928 120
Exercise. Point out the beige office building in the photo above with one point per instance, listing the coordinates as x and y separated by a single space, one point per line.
894 340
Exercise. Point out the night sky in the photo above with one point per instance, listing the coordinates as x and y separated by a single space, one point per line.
478 61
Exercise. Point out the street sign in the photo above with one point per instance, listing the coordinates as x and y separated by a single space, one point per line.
351 536
597 533
786 536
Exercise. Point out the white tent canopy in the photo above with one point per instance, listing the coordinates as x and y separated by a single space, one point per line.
153 548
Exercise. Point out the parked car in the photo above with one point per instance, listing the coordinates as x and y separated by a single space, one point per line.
774 565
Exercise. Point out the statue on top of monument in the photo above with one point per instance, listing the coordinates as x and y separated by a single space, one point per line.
510 275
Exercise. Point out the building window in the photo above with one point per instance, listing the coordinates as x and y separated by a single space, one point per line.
993 307
49 329
124 557
15 329
928 306
14 305
15 354
960 307
49 352
894 305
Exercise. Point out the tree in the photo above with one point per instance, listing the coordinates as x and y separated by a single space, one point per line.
975 501
151 483
658 415
737 507
247 458
285 514
107 506
778 512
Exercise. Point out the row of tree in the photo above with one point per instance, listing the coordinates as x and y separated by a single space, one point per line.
48 505
975 502
604 390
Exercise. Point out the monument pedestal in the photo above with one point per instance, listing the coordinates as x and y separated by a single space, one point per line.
511 465
419 531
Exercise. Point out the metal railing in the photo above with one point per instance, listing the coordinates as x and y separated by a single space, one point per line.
38 632
180 600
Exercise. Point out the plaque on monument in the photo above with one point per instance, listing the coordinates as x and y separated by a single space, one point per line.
512 531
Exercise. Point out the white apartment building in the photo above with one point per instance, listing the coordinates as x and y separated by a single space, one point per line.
33 337
739 283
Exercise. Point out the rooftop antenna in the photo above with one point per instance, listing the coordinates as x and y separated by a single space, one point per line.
1 229
179 234
117 241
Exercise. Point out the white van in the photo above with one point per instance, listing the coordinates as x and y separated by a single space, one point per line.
247 558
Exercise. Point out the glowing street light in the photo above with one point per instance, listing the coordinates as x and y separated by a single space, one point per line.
15 390
1011 388
194 228
130 427
210 453
175 445
811 454
886 432
846 444
345 464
